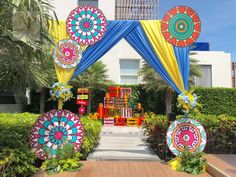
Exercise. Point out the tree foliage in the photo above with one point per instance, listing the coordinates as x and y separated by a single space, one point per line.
24 59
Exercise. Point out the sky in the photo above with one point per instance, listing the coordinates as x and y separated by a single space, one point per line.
218 20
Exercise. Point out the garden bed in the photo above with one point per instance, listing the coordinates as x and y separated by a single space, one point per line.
220 130
14 142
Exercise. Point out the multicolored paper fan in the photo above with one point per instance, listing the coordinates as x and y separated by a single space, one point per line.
187 133
181 26
86 24
53 129
67 54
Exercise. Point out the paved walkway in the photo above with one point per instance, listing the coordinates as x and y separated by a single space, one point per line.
123 169
122 143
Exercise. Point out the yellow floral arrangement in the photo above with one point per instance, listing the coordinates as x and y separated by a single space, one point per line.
187 101
60 91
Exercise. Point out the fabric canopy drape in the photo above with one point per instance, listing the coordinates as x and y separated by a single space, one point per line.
139 41
172 63
164 51
116 30
182 56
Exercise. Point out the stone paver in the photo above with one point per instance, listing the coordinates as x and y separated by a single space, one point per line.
122 143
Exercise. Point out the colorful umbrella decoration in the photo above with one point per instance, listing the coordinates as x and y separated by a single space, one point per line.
53 129
86 24
181 26
67 54
187 133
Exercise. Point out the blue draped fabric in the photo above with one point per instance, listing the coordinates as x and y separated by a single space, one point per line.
139 41
182 56
116 30
134 34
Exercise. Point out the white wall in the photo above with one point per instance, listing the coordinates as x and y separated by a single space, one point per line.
221 66
64 7
120 51
108 8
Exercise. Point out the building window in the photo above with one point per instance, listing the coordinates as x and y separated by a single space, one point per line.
206 78
137 9
88 2
129 71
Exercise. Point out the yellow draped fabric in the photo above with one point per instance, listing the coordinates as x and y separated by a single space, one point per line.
164 51
58 31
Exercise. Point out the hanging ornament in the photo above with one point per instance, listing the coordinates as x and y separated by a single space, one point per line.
53 129
67 54
86 24
81 110
186 133
181 26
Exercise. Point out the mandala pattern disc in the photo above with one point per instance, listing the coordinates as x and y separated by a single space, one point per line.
186 133
86 24
181 26
53 129
67 54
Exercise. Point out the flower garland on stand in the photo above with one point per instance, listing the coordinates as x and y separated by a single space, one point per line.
190 162
61 92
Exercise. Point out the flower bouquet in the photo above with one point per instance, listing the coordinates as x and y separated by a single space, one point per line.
187 101
60 91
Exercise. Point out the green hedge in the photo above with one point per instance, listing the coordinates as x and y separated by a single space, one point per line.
217 100
15 150
221 133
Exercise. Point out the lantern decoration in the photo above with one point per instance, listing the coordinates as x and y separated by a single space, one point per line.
67 54
53 129
82 99
186 133
86 24
81 110
181 26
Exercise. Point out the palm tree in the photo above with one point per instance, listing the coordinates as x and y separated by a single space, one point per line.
153 81
25 60
94 77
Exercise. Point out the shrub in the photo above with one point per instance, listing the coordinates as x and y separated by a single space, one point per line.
217 100
193 163
92 130
16 156
67 159
220 130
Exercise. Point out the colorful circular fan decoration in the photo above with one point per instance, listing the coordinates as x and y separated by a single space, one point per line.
53 129
67 54
181 26
86 24
187 133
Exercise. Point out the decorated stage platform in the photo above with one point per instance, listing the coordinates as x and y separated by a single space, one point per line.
120 108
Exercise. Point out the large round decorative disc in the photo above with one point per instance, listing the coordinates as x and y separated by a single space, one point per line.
86 24
186 133
181 26
67 54
54 129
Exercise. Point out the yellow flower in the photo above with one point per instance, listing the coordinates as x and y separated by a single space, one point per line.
204 168
175 163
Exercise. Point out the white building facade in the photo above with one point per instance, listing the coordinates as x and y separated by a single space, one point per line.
123 62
